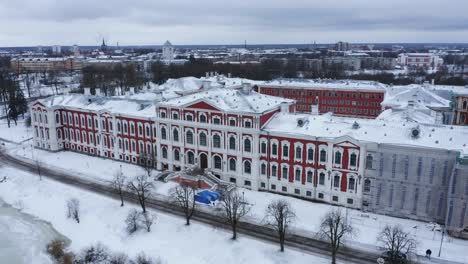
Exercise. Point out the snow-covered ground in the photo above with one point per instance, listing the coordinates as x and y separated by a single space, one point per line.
23 236
16 133
102 221
308 214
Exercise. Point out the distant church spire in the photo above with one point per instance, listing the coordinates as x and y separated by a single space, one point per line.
103 45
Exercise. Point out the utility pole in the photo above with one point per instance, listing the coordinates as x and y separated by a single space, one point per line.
441 240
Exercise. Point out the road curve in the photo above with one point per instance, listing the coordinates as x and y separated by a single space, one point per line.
260 232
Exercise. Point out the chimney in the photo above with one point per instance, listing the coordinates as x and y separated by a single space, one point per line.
229 75
132 90
87 91
206 85
98 92
246 88
284 108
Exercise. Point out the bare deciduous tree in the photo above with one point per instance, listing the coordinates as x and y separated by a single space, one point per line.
147 219
279 215
132 221
235 206
141 186
397 242
118 258
147 163
4 179
333 229
184 196
118 185
73 206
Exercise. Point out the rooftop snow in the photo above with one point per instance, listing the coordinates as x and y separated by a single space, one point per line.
379 131
124 106
327 84
231 100
398 97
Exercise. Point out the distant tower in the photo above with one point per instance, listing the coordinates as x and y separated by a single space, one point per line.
168 51
103 46
56 50
76 50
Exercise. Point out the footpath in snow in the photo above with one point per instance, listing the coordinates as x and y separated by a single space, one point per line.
102 221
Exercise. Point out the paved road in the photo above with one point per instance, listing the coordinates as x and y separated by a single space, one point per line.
256 231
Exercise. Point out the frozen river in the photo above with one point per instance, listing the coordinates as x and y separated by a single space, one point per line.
23 237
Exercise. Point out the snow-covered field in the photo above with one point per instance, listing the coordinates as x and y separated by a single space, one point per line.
102 220
308 214
16 133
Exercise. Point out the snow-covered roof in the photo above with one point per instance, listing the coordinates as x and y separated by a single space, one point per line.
407 115
422 98
371 130
125 106
326 84
230 100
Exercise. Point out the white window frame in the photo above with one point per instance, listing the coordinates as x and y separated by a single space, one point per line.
278 145
341 151
310 146
300 145
285 143
353 151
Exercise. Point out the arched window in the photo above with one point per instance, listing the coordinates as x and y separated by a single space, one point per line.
351 183
120 143
309 176
322 178
338 157
59 134
232 143
465 105
247 145
202 118
57 118
263 169
263 147
217 162
298 152
285 151
297 175
274 149
163 133
336 181
190 158
310 154
175 134
353 160
176 155
164 153
202 139
323 155
119 127
284 172
247 167
367 185
125 128
147 131
189 136
369 161
216 141
232 165
274 170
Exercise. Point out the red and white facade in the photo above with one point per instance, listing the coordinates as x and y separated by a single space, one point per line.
200 132
342 98
424 60
461 110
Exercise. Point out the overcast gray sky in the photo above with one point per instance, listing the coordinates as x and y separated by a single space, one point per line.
84 22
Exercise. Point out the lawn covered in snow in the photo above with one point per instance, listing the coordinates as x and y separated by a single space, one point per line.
14 133
102 220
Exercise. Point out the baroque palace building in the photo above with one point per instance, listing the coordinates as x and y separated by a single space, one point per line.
400 168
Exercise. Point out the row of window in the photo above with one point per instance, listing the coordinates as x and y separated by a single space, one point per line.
303 92
202 118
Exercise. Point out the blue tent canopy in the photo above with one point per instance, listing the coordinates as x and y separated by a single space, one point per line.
206 197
